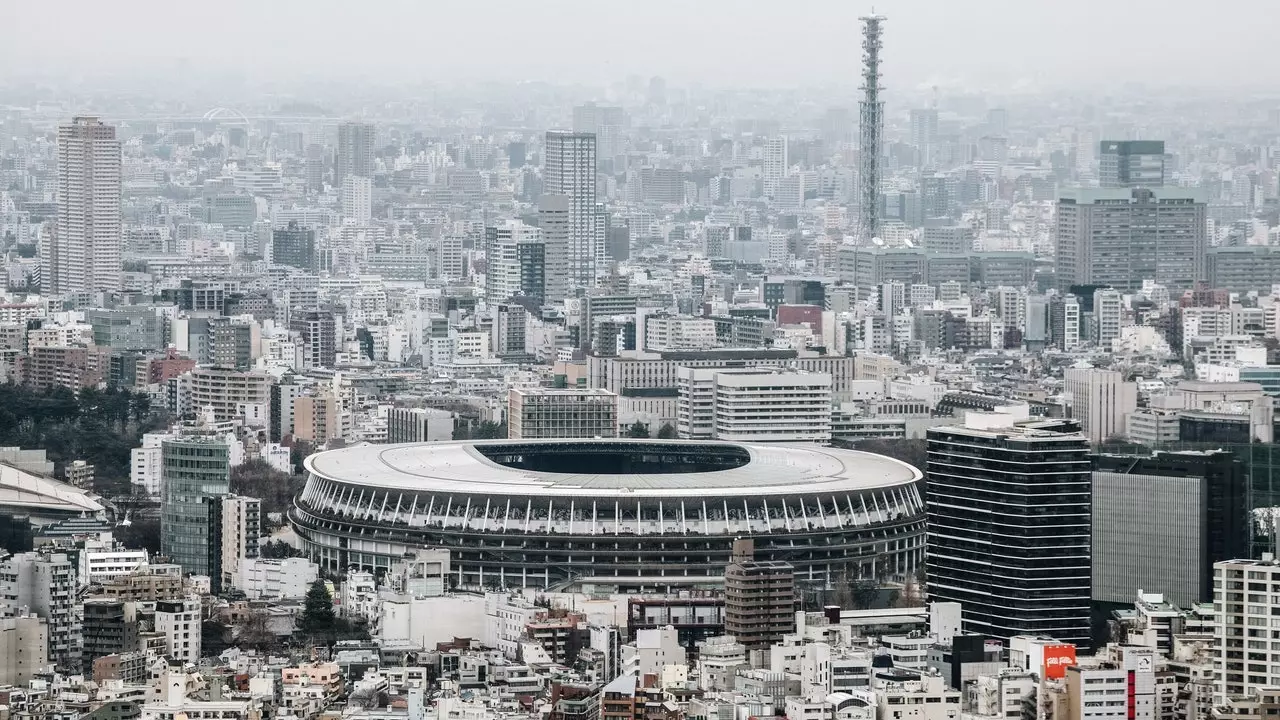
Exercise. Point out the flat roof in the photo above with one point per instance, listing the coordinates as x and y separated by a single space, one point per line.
771 469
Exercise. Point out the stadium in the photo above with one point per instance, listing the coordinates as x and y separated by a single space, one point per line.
611 515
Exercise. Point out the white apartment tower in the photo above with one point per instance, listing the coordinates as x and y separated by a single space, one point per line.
84 252
569 170
774 165
357 199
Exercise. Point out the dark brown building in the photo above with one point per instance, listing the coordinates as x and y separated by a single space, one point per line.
759 598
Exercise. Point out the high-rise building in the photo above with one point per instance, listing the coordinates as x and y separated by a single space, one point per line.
84 252
924 133
194 468
356 199
44 583
1008 502
449 257
1133 163
1245 609
569 170
294 246
759 598
235 527
1119 237
1108 317
607 123
555 221
226 390
774 164
1100 400
178 622
1162 521
355 151
555 413
318 329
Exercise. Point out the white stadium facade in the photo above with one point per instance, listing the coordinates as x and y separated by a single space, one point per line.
626 515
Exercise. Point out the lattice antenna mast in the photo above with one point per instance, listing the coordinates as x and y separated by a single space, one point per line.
871 129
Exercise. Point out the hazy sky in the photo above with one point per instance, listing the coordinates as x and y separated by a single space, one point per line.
957 43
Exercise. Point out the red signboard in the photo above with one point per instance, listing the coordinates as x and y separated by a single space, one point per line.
1057 658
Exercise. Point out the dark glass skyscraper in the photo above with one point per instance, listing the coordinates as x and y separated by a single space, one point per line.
1009 527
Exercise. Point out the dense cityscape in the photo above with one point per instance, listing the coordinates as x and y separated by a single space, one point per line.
642 399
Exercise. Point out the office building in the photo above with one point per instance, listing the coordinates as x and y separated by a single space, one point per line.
1133 163
569 170
44 583
448 260
553 413
1120 689
235 528
355 152
753 405
1101 400
1161 522
1119 237
1008 502
411 425
83 253
356 199
194 468
294 246
759 598
139 327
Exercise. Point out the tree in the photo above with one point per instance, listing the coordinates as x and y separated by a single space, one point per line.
278 549
317 619
638 430
666 432
489 430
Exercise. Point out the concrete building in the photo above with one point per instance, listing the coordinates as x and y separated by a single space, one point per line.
569 170
1243 608
178 621
753 405
286 578
356 199
549 413
759 598
294 246
1101 400
1122 689
319 332
235 529
24 649
84 253
225 390
419 425
44 584
194 468
1014 555
1118 237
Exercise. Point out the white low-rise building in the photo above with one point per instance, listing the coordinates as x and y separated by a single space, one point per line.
287 578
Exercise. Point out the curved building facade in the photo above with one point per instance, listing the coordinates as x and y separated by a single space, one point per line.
624 514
